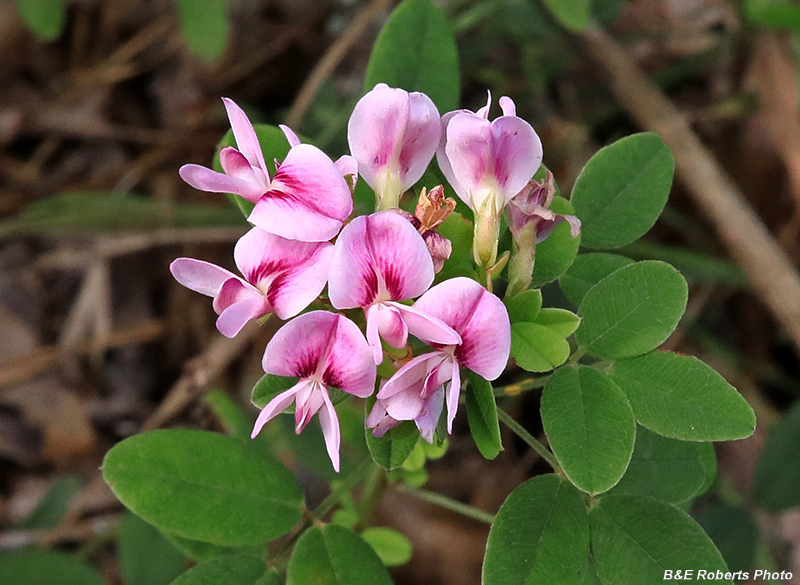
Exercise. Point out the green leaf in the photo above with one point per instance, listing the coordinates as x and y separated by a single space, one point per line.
587 271
636 539
668 469
197 550
145 556
537 348
205 25
44 17
482 416
457 229
773 13
416 51
333 555
631 311
695 266
80 213
540 535
392 449
204 486
230 414
525 306
590 427
52 508
271 577
561 321
235 569
573 14
392 547
679 396
269 386
39 567
556 254
734 532
622 190
777 481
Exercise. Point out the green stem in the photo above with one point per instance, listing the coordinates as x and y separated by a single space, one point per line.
517 388
453 505
537 446
373 489
345 485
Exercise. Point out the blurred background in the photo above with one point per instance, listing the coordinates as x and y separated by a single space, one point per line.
101 101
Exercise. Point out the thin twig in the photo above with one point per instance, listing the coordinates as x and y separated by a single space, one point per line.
336 52
534 444
452 505
749 242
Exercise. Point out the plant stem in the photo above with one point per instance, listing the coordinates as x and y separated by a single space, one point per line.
537 446
373 489
453 505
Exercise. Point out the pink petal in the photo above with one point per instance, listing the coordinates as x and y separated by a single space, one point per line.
375 130
347 165
420 139
479 317
205 179
517 153
411 376
508 106
236 316
330 430
236 165
378 257
245 135
484 111
232 291
308 401
453 390
384 321
444 162
428 419
349 365
373 337
291 137
468 150
200 276
276 406
308 198
425 327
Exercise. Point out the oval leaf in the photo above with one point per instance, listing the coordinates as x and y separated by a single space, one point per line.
587 271
537 348
777 483
622 190
236 569
679 396
392 449
44 17
392 547
482 416
416 51
334 555
668 469
557 253
540 535
145 556
53 507
637 539
525 306
573 14
590 427
631 311
204 486
561 321
39 567
205 26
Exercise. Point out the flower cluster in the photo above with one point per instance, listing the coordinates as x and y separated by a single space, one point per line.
378 263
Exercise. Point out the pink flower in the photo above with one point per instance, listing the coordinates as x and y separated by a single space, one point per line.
481 319
280 275
378 260
324 350
393 134
530 210
488 163
306 200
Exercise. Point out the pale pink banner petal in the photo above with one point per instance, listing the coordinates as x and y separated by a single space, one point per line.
517 153
349 364
469 152
420 139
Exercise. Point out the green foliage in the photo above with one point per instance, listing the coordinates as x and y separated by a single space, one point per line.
679 396
590 427
145 556
234 569
392 449
205 25
587 271
573 14
557 253
39 567
204 486
416 51
773 13
777 482
392 547
269 386
734 532
44 17
525 306
668 469
334 555
622 190
561 321
482 416
537 348
635 539
51 510
540 535
632 311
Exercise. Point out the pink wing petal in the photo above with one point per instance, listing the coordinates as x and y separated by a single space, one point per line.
245 135
391 325
429 417
378 257
347 165
484 111
232 291
205 179
375 130
200 276
236 316
307 403
277 405
373 337
517 153
411 376
453 390
330 430
426 327
479 317
508 106
291 137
